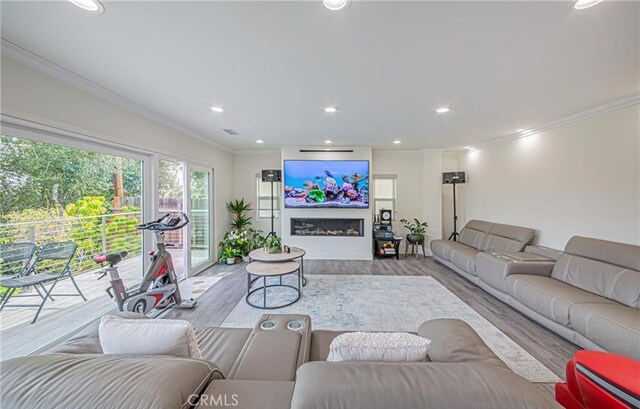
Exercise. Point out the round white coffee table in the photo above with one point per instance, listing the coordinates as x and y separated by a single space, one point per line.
294 253
265 270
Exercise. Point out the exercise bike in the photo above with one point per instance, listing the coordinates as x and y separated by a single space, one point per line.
159 286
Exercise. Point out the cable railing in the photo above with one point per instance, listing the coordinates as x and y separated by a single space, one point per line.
106 233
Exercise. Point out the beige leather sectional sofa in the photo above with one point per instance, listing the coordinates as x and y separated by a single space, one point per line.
479 236
589 293
276 368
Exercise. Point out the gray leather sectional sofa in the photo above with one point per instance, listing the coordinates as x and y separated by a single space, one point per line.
479 236
589 293
275 368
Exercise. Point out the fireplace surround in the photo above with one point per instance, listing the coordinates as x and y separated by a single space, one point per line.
325 227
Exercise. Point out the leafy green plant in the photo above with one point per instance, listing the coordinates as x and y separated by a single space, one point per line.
415 227
238 208
273 244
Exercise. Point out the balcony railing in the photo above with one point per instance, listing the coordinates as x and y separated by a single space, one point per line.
94 234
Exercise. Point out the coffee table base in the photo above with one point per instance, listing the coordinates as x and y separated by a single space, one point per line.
264 287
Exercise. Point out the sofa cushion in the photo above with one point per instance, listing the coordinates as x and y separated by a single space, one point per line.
445 248
548 296
148 337
378 346
465 259
62 381
620 284
620 254
486 236
472 237
612 326
222 345
410 385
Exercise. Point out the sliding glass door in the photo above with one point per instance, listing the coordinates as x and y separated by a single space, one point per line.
183 187
200 208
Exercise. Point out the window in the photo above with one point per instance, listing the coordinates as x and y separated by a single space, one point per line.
384 193
263 205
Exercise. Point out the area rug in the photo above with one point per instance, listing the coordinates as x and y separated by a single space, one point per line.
194 287
389 303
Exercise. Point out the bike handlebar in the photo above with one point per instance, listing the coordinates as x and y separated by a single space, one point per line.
166 223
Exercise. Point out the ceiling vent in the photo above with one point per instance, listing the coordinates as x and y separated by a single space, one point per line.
231 132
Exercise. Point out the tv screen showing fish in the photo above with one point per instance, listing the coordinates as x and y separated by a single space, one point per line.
326 183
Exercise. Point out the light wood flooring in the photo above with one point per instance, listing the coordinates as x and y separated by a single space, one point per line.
550 349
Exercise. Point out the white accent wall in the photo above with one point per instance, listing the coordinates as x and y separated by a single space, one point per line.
337 248
578 179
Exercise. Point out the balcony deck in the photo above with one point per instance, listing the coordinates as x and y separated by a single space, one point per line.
58 318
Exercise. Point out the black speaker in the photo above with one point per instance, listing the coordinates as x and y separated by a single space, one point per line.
271 175
453 177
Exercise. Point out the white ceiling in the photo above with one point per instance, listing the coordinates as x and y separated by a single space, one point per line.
387 66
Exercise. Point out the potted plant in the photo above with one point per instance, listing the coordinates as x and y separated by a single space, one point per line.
417 230
238 208
272 244
229 254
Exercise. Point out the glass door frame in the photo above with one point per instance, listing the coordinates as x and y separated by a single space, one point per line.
190 270
189 168
54 136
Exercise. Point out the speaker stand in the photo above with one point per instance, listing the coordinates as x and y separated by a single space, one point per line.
454 235
273 231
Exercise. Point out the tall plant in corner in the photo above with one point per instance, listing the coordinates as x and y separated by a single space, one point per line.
238 208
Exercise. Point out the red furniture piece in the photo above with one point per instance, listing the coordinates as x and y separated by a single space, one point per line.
600 380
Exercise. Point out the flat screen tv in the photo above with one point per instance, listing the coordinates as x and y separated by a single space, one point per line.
326 184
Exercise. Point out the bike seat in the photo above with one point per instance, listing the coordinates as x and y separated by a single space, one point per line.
113 258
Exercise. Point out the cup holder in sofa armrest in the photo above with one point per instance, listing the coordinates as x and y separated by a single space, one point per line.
277 346
268 325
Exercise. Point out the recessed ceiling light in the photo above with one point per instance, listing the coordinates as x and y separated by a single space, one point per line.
467 147
443 110
335 5
328 141
585 4
397 141
92 6
217 109
259 141
330 110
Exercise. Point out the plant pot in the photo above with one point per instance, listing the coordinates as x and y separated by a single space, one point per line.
231 260
415 238
246 259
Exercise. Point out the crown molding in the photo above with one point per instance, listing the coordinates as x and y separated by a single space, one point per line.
45 66
580 116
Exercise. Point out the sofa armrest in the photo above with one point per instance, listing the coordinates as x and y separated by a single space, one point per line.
453 340
61 381
494 268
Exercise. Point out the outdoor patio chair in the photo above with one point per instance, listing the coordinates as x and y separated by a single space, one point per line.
16 259
52 256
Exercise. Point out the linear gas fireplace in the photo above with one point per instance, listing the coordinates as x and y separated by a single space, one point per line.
327 227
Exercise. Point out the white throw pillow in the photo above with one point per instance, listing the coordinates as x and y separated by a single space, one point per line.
379 346
148 337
